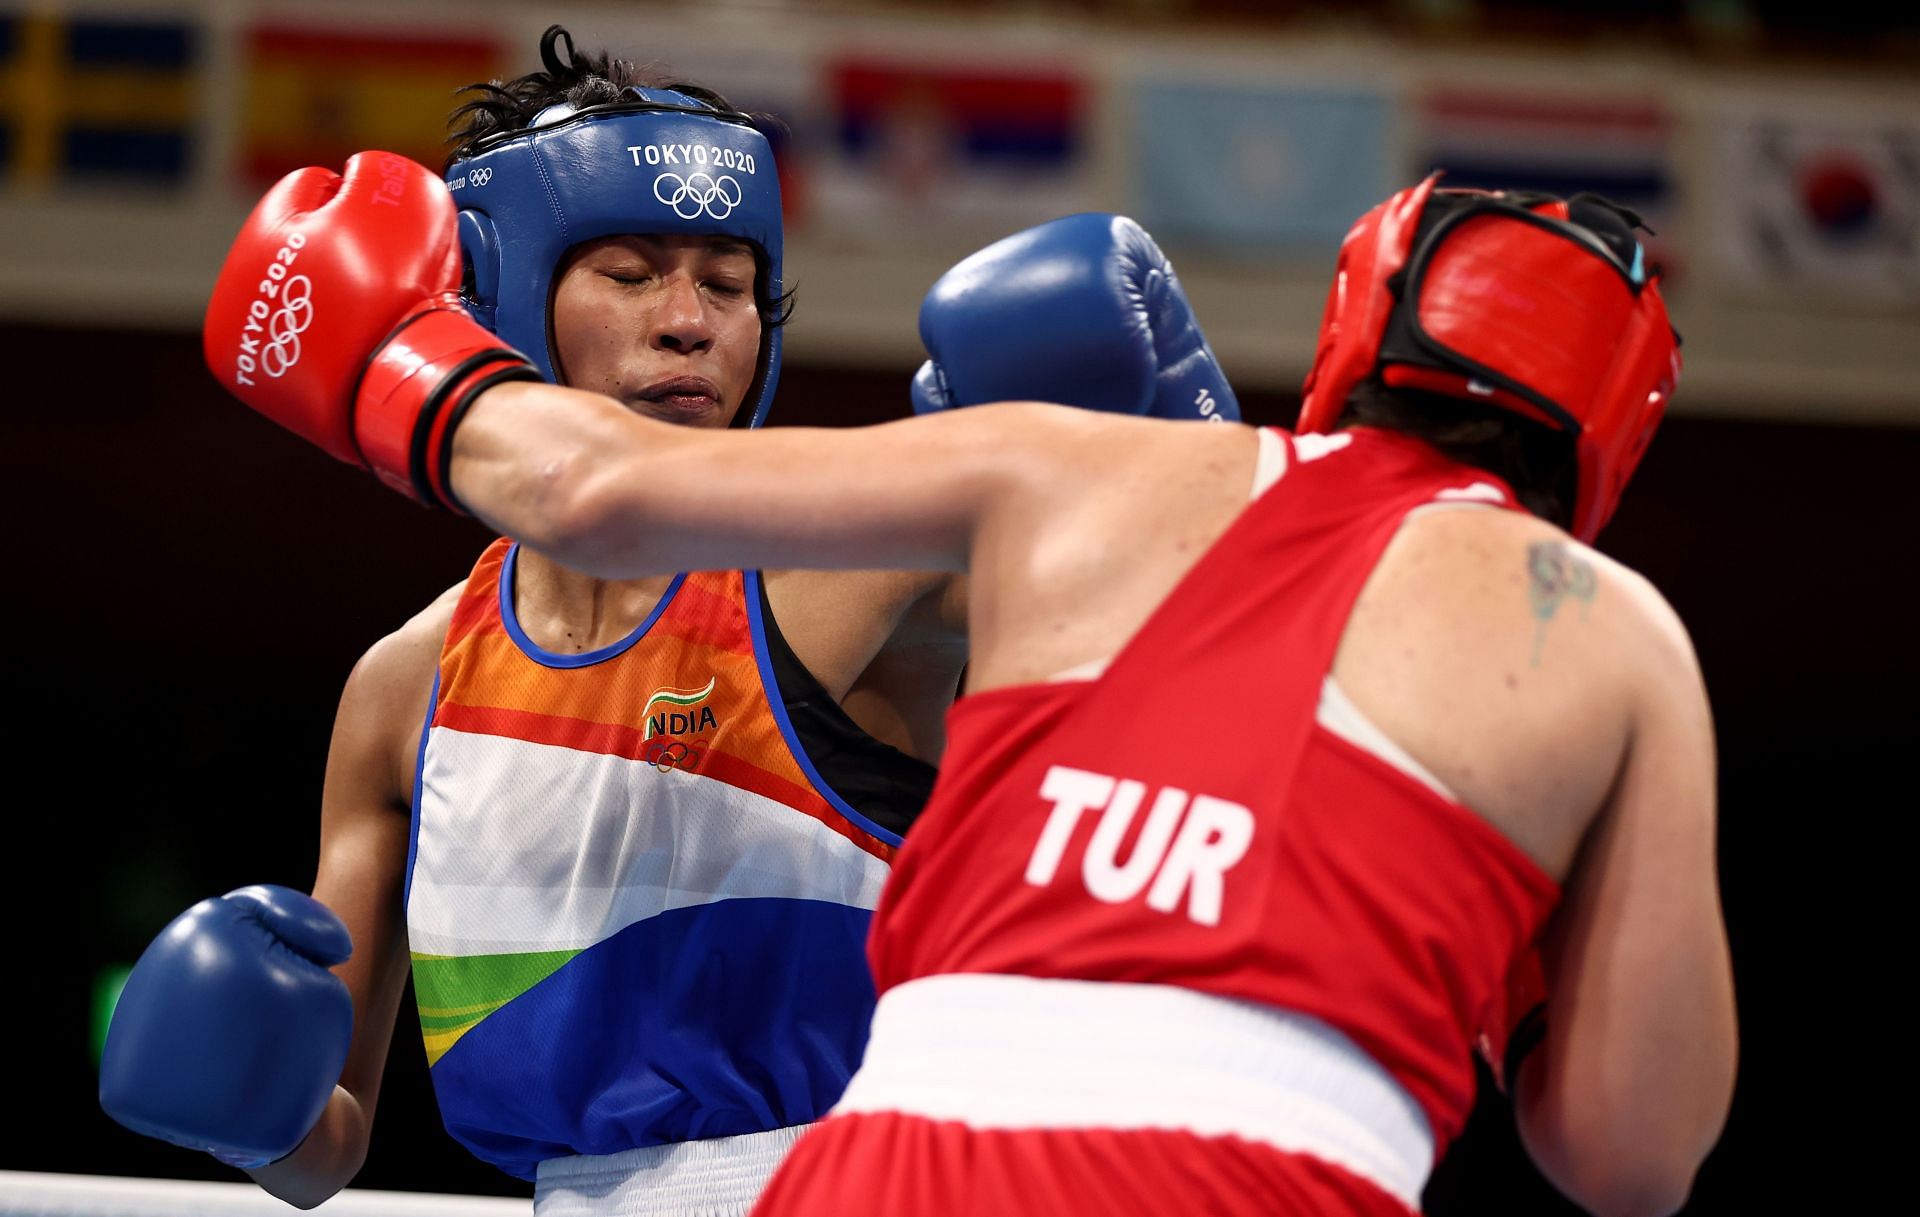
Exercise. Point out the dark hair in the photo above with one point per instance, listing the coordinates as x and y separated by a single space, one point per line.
584 80
1538 461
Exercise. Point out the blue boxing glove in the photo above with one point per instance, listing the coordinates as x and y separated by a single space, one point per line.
231 1032
1085 311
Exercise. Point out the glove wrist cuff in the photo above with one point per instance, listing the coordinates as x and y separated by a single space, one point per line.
252 1162
414 391
239 1161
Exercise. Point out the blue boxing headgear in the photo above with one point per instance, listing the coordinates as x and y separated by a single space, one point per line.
657 161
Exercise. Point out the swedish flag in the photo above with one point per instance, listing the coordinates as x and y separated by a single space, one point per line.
96 99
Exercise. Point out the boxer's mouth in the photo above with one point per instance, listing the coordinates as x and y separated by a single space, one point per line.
679 397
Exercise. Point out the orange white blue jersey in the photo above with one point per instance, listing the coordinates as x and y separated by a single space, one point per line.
637 911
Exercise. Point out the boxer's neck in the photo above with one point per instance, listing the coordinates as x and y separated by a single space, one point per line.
569 613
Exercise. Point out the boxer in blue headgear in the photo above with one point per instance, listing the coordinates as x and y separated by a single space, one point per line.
625 835
654 160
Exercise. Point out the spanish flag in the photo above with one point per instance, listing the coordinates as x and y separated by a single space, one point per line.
315 96
96 99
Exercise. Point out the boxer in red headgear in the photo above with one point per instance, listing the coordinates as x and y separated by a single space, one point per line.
1474 296
1282 755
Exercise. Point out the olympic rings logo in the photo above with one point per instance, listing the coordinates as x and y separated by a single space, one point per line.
286 325
699 194
665 753
479 177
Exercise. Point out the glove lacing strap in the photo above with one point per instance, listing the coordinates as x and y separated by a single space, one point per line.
440 416
429 447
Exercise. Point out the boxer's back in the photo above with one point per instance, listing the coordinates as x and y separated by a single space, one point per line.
1208 811
1524 671
1504 658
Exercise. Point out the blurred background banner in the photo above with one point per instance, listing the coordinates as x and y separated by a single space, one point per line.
315 95
1256 168
104 98
1811 201
963 144
134 138
1615 144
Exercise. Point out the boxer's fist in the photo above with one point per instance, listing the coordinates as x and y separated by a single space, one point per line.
231 1032
1085 311
336 315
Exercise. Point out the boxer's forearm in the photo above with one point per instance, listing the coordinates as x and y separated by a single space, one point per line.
603 490
528 458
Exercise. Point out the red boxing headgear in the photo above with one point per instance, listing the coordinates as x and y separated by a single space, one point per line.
1539 305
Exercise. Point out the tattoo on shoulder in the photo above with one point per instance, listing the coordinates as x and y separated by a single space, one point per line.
1554 574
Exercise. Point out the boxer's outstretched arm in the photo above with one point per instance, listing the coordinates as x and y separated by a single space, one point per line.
1630 1089
609 493
389 364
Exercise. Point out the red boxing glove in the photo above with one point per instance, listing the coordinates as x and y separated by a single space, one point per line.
337 315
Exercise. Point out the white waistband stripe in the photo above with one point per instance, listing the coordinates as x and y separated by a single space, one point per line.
719 1177
1016 1052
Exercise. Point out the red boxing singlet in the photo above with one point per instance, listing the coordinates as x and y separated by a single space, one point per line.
1217 941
